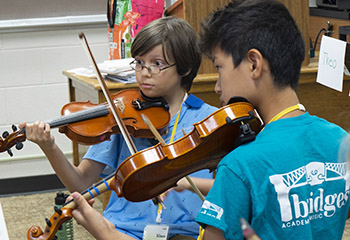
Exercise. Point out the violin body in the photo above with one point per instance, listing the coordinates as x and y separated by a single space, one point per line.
152 171
99 129
148 173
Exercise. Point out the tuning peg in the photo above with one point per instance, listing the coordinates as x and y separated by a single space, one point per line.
10 152
19 146
5 134
14 128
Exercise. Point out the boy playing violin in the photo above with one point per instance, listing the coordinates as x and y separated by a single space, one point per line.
167 59
287 183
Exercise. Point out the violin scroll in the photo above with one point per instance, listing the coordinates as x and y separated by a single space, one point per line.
12 139
52 225
64 213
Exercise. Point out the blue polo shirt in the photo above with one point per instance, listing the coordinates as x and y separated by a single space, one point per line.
181 208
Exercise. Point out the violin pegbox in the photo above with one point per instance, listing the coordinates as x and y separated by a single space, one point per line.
9 140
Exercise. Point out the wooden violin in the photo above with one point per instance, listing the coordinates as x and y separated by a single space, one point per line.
64 213
88 123
150 172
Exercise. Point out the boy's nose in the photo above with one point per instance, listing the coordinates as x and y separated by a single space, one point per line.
217 87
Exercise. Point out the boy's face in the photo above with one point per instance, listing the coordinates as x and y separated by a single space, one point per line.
233 81
164 84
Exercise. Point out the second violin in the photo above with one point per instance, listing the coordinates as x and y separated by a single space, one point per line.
150 172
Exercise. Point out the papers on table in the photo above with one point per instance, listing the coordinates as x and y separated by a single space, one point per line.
115 70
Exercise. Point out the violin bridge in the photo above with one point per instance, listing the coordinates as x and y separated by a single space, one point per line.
120 105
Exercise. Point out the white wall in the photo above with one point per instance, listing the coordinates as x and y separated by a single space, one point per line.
32 86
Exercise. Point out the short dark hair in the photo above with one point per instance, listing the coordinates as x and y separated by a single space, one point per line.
265 25
179 42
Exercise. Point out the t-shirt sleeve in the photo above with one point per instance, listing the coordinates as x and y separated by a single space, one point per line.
105 152
227 202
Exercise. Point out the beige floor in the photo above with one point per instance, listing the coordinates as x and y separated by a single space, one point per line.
346 235
22 212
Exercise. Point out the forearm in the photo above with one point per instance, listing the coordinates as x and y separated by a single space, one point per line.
97 225
73 178
202 184
105 230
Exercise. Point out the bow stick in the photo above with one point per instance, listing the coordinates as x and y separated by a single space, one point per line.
108 97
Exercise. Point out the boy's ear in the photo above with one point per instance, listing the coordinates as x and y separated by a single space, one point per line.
188 72
255 58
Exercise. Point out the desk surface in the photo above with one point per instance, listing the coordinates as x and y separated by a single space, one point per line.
201 78
319 100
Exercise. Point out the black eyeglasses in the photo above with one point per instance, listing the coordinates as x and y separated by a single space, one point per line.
152 69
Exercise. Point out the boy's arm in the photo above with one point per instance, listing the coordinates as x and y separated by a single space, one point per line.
203 185
74 178
94 222
212 233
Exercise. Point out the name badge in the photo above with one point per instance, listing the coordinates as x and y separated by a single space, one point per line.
156 232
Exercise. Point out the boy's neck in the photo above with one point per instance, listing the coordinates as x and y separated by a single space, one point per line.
175 102
280 101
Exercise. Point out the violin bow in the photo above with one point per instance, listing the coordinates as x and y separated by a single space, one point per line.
116 115
62 215
123 129
162 142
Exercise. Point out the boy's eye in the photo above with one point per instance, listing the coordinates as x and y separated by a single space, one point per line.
217 67
158 63
139 62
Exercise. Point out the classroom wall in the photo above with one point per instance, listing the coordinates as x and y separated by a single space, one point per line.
38 40
32 86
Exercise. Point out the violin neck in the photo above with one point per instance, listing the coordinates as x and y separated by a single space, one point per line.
93 112
102 186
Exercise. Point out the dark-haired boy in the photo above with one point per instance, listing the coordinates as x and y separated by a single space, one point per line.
288 182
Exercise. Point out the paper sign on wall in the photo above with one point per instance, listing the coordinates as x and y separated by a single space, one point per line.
3 230
331 63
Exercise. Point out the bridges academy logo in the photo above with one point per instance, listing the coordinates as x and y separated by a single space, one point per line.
296 211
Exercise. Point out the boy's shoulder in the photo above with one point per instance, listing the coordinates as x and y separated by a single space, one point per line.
195 103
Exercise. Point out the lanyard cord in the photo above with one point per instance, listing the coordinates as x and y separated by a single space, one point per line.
177 120
159 211
286 111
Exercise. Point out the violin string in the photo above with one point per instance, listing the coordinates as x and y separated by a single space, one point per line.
92 112
87 114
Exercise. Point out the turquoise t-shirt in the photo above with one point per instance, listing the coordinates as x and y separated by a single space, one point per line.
181 208
288 183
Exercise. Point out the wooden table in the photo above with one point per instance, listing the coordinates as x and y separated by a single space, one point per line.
84 89
318 99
